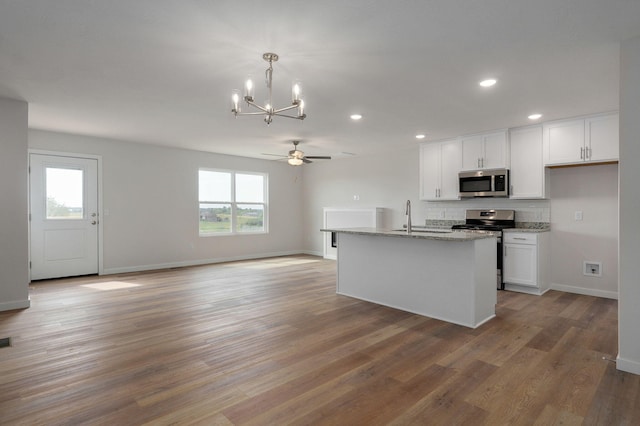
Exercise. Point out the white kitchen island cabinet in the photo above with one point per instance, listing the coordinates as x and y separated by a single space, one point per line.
450 277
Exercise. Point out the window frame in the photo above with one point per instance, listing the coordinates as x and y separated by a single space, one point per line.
234 203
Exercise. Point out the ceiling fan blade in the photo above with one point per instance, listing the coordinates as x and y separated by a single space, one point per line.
306 160
318 157
274 155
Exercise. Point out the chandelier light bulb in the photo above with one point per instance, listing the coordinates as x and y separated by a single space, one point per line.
295 93
235 101
248 90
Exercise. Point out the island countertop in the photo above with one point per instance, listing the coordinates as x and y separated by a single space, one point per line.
422 233
443 274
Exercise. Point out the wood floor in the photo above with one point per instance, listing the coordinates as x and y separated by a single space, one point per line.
270 343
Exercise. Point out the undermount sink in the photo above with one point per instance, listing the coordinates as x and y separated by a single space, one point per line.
430 231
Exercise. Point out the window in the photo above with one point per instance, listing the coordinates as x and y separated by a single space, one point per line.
64 191
232 202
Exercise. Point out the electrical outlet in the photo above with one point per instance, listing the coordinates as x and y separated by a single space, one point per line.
356 198
592 269
578 215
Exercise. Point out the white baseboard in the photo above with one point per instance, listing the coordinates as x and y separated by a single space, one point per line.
140 268
628 365
15 304
585 291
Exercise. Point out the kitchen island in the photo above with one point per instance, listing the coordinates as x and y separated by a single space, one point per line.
450 276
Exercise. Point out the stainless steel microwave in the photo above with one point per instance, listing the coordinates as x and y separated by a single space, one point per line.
484 183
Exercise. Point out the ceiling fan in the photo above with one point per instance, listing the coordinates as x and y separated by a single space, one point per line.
297 157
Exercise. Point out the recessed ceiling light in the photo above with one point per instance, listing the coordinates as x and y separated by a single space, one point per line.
535 116
488 82
356 116
420 136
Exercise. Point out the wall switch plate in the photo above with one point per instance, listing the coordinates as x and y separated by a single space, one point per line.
592 269
578 215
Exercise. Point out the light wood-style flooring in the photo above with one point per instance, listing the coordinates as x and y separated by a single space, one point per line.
268 342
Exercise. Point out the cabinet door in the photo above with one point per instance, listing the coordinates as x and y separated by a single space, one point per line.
602 137
451 163
495 151
527 170
472 152
429 171
520 264
564 142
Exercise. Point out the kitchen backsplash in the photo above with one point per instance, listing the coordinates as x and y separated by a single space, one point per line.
526 217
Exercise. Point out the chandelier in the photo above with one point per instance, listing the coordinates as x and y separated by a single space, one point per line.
268 111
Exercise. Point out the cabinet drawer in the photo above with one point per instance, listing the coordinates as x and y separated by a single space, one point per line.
520 238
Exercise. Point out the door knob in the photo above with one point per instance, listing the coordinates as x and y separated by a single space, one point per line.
93 222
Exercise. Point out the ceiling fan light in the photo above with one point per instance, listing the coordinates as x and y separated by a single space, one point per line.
295 161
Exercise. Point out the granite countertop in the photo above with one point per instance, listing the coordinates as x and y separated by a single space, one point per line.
527 230
530 227
421 233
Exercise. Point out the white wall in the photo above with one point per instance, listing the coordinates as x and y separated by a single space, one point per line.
379 181
593 190
150 209
14 256
629 287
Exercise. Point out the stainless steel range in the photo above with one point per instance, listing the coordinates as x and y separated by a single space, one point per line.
490 221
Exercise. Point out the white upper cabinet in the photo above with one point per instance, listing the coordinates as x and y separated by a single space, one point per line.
593 139
440 163
528 175
485 151
602 137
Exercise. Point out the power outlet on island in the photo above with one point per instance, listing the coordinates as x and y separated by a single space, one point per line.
592 269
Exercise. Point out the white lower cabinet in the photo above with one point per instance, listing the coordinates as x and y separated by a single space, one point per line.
525 262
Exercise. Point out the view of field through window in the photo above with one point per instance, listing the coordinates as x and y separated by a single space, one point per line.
231 202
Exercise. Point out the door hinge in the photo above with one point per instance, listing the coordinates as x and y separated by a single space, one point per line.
29 264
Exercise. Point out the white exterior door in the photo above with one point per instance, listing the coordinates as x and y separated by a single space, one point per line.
64 216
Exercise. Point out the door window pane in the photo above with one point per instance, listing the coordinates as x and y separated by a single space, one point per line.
249 188
64 193
250 218
215 218
214 186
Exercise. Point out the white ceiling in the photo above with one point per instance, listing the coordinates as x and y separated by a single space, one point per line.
161 71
